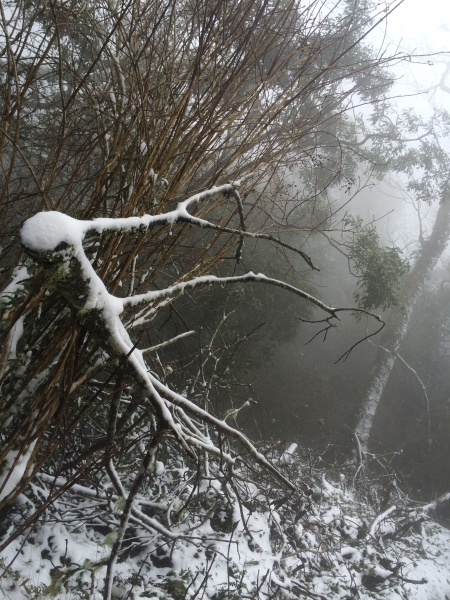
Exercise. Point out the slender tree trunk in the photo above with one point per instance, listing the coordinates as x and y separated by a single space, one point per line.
397 324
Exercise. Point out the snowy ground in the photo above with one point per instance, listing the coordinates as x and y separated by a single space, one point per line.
326 543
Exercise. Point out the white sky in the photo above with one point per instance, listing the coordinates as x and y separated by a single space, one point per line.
422 26
419 27
417 20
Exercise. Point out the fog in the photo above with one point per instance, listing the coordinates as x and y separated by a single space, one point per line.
306 396
225 299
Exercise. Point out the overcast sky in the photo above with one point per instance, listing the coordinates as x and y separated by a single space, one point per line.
416 27
414 18
422 26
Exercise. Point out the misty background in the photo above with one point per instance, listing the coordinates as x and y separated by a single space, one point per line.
302 393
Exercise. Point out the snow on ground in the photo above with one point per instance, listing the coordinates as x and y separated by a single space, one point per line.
326 543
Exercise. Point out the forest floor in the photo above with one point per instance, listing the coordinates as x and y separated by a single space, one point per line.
331 542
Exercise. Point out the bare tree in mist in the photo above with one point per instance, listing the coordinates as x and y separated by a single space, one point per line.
416 150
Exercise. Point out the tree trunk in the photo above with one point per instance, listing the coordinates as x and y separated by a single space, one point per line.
397 324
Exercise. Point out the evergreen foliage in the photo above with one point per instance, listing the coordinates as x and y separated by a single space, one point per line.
380 270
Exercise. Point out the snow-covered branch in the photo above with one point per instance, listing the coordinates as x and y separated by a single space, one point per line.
56 240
